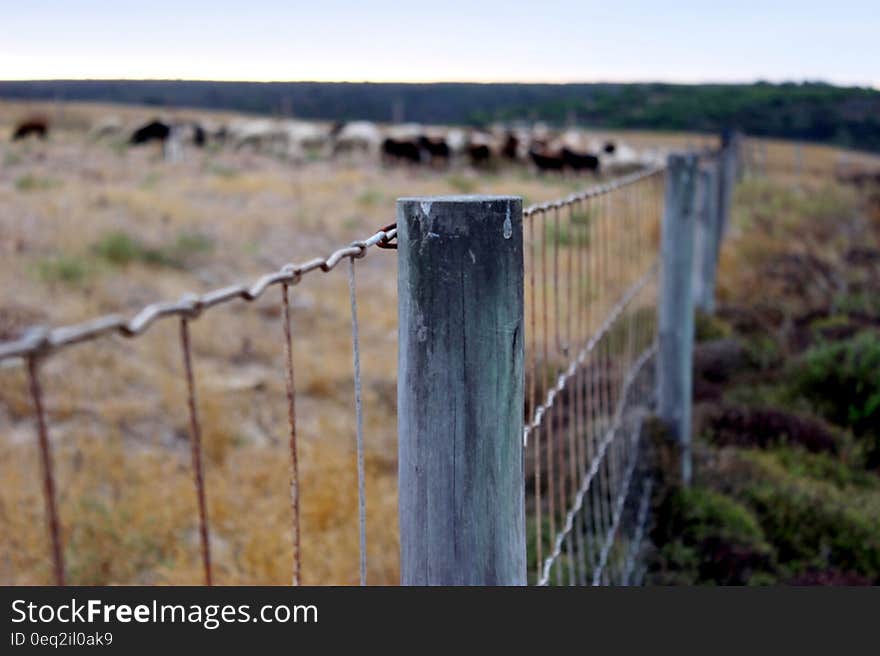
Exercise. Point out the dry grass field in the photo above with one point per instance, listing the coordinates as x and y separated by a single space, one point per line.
93 227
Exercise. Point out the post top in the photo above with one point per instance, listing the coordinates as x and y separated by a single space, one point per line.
460 198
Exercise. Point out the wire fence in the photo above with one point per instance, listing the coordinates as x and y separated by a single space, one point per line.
799 162
591 298
39 343
591 290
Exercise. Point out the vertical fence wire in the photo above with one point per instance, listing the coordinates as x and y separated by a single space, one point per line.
533 399
49 495
196 449
590 346
290 388
359 416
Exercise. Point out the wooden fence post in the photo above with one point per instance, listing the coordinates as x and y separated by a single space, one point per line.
708 238
460 390
676 311
728 164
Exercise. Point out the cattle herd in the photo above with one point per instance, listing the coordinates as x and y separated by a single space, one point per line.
566 151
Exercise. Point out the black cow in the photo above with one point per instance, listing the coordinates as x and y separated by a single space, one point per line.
437 149
199 136
510 149
479 155
580 161
152 131
546 162
33 126
401 151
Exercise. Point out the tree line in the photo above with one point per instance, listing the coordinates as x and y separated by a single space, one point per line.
810 111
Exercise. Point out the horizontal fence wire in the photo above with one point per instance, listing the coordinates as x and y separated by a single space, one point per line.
591 301
40 340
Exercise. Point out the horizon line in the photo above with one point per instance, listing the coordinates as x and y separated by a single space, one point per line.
706 82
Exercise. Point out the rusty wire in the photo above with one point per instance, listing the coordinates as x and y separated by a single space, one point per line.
48 472
196 449
290 389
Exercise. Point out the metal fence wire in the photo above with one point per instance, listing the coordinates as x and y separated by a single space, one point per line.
591 288
591 294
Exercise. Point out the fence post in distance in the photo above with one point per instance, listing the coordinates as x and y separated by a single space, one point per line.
676 309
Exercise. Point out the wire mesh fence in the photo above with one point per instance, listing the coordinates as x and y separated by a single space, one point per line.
801 162
591 293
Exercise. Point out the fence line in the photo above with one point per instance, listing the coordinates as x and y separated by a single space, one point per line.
585 341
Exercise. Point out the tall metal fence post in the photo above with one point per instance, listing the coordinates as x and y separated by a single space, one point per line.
460 390
708 238
676 311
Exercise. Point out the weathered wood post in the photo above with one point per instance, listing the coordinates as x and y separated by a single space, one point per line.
676 320
460 390
708 238
727 161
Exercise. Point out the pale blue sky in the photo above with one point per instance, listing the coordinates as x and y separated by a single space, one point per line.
475 40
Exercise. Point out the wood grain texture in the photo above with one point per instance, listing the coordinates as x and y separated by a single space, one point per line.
460 391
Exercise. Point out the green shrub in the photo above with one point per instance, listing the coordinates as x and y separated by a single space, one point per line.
817 512
190 243
121 249
67 269
708 537
813 526
151 180
708 327
462 184
30 182
818 466
565 234
369 198
842 381
763 351
222 171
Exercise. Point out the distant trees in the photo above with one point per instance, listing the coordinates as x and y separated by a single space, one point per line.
814 111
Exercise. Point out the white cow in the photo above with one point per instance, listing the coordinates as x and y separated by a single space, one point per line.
358 137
